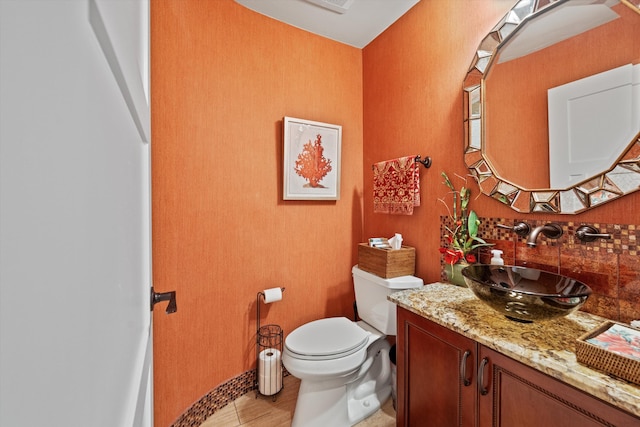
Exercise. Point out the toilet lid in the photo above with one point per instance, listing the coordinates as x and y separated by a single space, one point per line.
327 339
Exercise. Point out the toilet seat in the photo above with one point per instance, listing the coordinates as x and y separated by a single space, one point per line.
326 339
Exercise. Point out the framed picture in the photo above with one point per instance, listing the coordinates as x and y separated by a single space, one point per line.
311 160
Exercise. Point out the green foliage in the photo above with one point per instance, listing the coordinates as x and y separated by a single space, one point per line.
463 238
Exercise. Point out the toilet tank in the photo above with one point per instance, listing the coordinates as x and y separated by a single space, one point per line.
371 298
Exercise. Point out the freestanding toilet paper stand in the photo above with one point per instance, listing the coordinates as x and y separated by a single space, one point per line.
269 340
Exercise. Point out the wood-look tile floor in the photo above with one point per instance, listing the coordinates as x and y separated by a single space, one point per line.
262 411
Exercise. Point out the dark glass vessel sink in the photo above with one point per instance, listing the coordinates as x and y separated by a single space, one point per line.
525 294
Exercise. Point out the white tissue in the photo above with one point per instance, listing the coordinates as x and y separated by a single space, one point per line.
272 295
396 241
635 323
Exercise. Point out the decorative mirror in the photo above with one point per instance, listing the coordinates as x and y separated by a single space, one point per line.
552 105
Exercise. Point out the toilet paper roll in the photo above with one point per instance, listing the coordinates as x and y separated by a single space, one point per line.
269 386
272 295
269 371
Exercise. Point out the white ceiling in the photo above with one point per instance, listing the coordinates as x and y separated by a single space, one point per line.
359 25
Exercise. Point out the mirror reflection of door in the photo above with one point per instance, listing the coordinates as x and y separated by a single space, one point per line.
587 115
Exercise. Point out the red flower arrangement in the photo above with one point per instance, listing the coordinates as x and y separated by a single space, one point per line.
463 239
453 256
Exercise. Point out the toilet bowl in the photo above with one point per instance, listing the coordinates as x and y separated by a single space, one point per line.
343 366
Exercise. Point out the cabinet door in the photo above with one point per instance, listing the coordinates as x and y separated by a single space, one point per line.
436 374
512 394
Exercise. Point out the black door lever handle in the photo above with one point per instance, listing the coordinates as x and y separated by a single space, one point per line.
170 296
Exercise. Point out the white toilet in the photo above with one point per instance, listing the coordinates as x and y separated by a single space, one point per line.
343 366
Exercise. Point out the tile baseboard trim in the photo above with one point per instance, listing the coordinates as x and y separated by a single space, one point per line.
218 398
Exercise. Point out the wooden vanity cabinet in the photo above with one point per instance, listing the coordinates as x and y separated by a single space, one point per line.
446 379
436 374
518 395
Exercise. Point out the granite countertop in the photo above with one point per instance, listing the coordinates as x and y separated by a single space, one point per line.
546 346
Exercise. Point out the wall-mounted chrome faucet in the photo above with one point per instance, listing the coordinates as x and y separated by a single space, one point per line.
550 230
587 233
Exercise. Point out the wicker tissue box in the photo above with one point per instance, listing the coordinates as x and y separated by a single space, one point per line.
608 352
387 263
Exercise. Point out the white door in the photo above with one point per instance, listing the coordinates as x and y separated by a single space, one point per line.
75 336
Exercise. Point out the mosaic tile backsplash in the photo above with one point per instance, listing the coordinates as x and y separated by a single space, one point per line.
611 267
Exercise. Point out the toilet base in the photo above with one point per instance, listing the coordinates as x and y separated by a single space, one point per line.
347 401
320 407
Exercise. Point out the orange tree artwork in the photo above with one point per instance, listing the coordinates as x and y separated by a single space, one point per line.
311 163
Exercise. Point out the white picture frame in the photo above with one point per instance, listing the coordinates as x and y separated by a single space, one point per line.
311 163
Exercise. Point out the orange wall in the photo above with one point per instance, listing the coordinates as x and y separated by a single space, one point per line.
223 77
426 56
417 67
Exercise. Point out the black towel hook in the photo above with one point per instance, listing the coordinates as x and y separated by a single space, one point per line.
426 162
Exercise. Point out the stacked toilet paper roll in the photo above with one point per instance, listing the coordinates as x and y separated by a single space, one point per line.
269 371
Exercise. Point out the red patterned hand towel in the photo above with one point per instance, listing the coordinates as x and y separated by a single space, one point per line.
396 186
